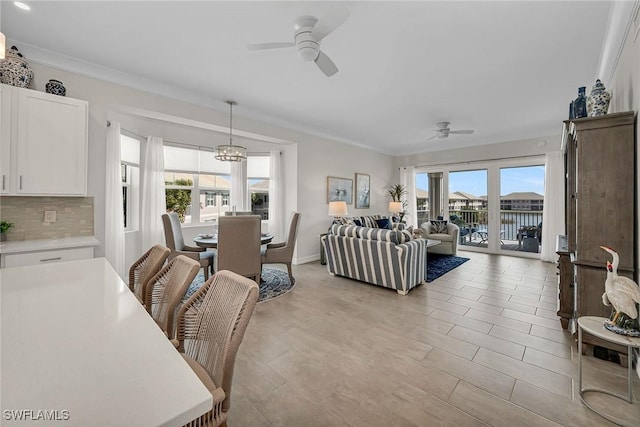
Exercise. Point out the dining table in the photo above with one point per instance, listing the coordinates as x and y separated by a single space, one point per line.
78 349
211 240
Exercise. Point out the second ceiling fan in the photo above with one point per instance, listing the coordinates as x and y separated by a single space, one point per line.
308 32
443 131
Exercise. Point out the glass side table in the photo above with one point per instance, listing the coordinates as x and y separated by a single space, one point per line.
593 325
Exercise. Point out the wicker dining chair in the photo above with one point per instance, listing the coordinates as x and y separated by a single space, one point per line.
145 268
162 294
211 325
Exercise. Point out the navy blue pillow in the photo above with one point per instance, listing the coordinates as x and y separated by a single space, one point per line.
384 223
357 222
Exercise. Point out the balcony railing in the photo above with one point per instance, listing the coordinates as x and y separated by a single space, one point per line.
511 222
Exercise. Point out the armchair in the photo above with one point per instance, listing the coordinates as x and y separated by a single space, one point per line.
448 242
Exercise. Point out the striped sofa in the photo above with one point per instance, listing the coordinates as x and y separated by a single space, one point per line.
377 256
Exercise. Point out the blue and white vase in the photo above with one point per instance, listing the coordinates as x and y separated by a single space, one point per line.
580 104
598 101
55 87
15 70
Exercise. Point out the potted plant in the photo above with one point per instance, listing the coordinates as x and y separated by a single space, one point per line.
397 193
4 227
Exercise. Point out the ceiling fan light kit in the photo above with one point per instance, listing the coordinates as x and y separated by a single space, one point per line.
308 32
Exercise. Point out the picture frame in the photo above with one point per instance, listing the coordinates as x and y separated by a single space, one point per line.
339 190
363 190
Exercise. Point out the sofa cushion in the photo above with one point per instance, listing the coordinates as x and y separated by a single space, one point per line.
384 223
439 227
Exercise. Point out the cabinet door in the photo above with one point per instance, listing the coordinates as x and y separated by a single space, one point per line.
51 144
5 140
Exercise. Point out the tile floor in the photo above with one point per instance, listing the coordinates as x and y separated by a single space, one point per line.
479 346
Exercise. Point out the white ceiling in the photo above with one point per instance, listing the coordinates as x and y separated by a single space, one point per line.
506 69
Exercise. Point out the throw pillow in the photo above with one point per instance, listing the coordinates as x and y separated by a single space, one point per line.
439 227
407 235
357 222
384 223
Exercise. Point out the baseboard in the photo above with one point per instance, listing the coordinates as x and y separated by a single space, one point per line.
304 260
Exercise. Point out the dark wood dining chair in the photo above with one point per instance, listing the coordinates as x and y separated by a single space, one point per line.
239 245
175 242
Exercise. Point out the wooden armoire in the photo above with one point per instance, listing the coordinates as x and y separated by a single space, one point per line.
600 204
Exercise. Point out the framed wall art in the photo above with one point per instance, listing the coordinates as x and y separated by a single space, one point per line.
339 190
363 190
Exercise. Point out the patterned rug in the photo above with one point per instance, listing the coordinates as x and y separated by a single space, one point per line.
273 284
437 265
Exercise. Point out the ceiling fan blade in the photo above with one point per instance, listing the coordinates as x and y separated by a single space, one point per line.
329 23
433 137
326 65
277 45
462 132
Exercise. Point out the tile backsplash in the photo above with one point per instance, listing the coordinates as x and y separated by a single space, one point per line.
74 217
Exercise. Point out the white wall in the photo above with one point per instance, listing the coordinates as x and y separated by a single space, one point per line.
625 96
307 160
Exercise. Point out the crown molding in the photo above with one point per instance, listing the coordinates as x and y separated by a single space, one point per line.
621 18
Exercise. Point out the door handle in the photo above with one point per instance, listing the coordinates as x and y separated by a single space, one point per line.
20 182
51 259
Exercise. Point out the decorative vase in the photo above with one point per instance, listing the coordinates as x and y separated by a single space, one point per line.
55 87
3 237
15 70
580 104
598 101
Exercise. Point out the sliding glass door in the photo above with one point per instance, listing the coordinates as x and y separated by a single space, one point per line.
521 203
468 206
497 205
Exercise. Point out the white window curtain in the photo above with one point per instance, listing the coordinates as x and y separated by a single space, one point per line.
153 194
408 179
553 210
114 245
276 197
238 194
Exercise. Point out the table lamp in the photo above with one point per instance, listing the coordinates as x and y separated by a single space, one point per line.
338 209
395 208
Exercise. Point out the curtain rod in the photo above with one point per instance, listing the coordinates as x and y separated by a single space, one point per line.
479 161
185 145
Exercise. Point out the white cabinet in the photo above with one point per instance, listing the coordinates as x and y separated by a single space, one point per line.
45 137
46 257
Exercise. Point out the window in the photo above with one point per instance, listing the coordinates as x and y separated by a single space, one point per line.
130 175
258 176
197 185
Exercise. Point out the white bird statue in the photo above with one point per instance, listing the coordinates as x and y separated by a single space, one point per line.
619 291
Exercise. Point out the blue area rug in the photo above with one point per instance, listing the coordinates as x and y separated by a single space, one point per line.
437 265
273 284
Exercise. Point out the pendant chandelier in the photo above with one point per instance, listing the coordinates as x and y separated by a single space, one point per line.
230 152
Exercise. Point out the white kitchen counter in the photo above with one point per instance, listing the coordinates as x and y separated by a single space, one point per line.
47 244
77 344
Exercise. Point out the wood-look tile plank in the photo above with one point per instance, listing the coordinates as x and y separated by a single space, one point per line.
494 343
517 325
493 410
542 344
534 320
540 377
488 308
508 304
467 322
480 376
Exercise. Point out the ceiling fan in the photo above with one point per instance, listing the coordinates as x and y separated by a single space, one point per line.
307 34
443 131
